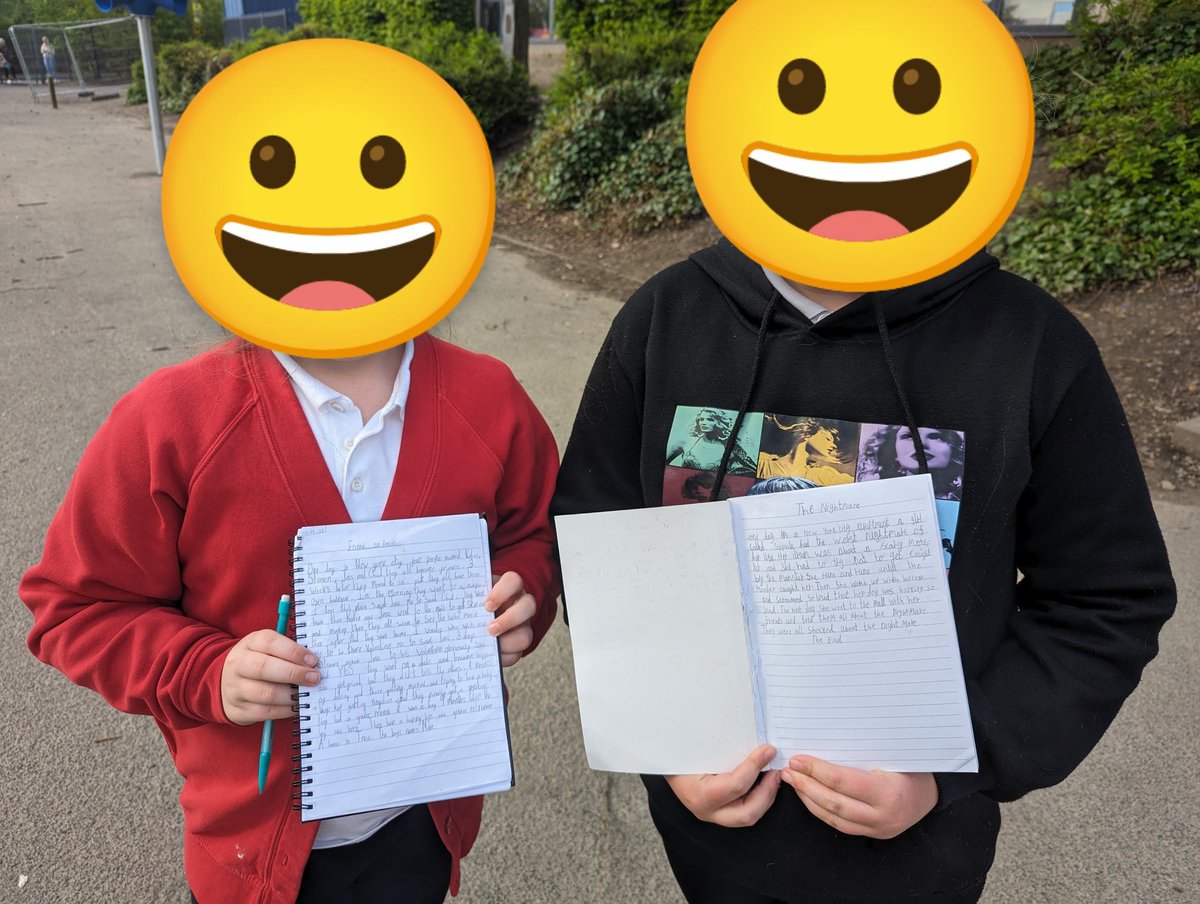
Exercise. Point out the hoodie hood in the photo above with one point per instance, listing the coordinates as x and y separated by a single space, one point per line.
748 291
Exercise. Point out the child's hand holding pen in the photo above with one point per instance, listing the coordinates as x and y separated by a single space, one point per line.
258 675
514 608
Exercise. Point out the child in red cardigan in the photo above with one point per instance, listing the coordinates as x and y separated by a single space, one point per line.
161 571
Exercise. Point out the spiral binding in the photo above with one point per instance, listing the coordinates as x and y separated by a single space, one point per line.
300 742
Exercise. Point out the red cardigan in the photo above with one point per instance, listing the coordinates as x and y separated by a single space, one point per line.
172 543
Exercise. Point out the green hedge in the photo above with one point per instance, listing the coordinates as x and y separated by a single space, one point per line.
1113 36
1130 208
442 35
1118 112
576 144
648 186
587 19
182 70
583 19
496 89
626 51
610 141
386 21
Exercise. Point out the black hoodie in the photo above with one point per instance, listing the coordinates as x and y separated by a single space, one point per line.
1058 572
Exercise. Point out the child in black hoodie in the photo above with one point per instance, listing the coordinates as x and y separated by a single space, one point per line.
1057 569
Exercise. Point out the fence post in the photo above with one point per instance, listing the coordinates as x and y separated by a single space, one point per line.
144 38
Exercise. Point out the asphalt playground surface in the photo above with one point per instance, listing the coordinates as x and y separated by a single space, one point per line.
90 304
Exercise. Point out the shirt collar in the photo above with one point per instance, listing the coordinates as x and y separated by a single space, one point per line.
317 394
796 299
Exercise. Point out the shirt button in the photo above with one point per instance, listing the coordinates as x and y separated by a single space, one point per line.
348 442
337 406
356 484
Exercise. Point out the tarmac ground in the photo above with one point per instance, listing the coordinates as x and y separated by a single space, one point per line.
87 794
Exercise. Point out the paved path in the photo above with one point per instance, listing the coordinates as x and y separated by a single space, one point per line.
87 795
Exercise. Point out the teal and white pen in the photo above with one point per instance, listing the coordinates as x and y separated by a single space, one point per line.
264 753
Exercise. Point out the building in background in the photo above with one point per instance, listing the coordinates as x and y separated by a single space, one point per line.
243 16
1034 16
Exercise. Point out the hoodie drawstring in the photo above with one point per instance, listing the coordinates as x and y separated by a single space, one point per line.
731 440
890 357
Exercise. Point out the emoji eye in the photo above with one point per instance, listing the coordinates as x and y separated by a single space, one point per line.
382 161
272 162
917 86
801 86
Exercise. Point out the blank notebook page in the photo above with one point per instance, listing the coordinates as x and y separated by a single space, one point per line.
410 705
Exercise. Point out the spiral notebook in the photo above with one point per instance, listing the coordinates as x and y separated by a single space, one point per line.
410 707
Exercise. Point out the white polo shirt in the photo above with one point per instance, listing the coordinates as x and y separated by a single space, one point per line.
362 461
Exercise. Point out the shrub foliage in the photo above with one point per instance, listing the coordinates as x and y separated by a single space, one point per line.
386 21
647 186
1118 112
1118 115
495 88
577 143
1130 208
610 143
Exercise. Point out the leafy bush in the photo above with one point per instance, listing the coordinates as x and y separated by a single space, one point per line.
168 28
363 20
183 69
611 139
1131 208
581 19
702 15
495 88
647 186
262 38
384 21
1118 33
442 35
1113 36
136 93
626 51
575 144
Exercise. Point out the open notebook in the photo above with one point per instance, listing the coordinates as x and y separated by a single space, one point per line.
816 620
410 706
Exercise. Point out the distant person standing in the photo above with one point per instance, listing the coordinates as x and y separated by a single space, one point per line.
48 57
6 67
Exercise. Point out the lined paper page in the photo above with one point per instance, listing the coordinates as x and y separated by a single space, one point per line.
659 639
852 623
410 705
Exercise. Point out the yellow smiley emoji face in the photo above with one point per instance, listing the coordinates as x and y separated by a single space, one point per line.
328 198
859 146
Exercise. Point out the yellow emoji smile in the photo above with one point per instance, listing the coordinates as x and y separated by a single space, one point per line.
859 199
327 270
